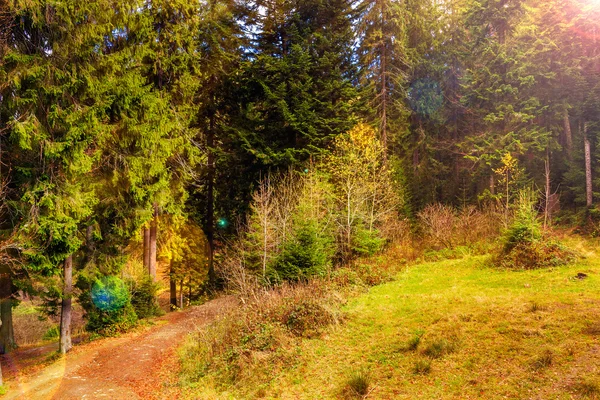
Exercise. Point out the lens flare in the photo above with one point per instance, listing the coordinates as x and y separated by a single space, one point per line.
109 293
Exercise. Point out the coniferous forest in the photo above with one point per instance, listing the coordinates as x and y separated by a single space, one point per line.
155 154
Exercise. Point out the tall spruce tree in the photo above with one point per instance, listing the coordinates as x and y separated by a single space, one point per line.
384 64
148 72
219 41
501 87
299 85
52 120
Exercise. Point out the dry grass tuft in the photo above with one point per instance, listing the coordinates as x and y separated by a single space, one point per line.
592 329
422 367
441 347
543 360
588 389
357 385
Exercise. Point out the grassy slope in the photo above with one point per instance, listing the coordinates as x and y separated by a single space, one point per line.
502 322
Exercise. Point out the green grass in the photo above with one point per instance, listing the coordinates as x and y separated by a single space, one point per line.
482 333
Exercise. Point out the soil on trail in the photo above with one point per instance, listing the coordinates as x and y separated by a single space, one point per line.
137 365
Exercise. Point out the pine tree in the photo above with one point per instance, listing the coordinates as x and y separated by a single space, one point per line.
219 41
298 88
149 78
52 119
384 61
501 86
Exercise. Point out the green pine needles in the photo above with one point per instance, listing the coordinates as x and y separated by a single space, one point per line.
525 245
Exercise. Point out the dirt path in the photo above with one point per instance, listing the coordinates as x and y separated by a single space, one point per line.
133 366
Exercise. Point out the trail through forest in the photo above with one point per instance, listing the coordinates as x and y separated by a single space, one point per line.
133 366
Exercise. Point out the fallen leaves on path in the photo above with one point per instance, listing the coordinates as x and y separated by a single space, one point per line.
137 365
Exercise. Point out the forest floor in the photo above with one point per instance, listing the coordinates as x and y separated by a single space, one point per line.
136 365
450 329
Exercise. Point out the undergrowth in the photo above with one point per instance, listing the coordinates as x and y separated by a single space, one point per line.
258 339
262 336
524 244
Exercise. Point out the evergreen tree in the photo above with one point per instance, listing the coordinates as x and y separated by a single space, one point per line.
52 120
501 87
148 70
298 91
384 62
220 41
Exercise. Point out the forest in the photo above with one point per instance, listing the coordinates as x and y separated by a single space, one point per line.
155 154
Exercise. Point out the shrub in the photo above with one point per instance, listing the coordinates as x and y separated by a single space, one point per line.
109 294
539 254
107 305
110 323
523 244
367 242
306 318
254 340
307 254
446 227
143 297
438 221
52 333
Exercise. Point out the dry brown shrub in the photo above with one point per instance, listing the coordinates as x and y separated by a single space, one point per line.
29 329
234 272
394 228
447 227
438 222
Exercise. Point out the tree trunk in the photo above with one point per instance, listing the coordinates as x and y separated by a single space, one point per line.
172 288
568 133
152 241
265 221
492 184
181 294
547 212
210 199
7 335
65 313
588 167
507 206
384 92
89 246
146 234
